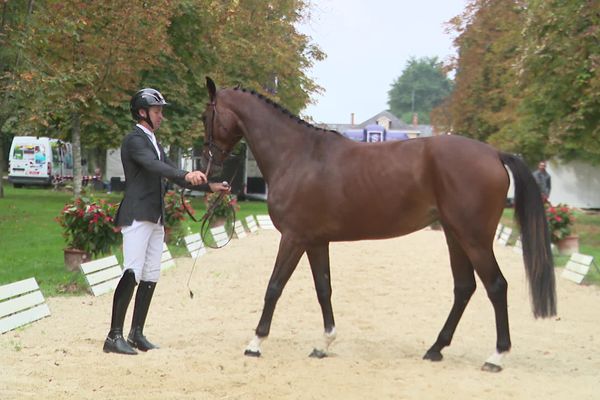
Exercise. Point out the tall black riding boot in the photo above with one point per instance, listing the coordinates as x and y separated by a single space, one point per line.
143 297
115 342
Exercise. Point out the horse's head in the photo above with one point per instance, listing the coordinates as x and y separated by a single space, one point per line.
222 132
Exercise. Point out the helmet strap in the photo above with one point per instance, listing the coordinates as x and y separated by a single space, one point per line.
147 117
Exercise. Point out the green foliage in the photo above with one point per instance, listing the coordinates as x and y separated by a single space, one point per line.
483 96
559 78
220 204
526 78
87 58
422 86
88 225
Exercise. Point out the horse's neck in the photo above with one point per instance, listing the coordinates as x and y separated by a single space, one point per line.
274 138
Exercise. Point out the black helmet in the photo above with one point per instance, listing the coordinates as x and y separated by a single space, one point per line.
144 99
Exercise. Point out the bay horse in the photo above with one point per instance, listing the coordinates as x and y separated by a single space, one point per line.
326 188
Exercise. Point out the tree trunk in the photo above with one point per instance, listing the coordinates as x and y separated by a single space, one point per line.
1 167
76 143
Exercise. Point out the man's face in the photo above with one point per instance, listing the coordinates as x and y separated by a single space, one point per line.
542 166
155 115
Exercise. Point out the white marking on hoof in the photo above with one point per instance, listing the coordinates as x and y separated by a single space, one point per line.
253 347
494 362
328 338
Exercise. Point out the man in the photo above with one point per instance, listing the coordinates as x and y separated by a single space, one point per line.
542 177
141 215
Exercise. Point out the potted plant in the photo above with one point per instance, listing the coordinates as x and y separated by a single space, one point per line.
220 203
88 228
560 223
174 216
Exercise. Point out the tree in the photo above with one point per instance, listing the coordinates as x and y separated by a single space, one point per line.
558 75
85 54
13 20
487 40
526 78
422 86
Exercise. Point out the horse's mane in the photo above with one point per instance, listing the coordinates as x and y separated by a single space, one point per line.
284 110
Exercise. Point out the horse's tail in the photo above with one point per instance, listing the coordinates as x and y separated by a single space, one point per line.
535 237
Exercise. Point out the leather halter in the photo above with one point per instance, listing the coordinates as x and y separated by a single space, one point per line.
209 142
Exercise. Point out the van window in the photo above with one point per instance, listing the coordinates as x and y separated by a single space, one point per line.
56 150
23 152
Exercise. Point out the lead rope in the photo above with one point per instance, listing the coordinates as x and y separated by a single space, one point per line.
204 220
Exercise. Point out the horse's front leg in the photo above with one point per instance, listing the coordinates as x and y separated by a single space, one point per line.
318 256
288 256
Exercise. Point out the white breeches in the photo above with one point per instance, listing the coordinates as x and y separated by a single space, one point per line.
142 249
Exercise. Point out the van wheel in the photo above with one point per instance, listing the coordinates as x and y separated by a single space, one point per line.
17 185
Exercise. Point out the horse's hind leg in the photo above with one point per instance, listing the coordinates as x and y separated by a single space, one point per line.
464 287
496 287
318 256
288 257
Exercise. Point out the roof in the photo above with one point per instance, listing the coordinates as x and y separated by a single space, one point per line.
395 124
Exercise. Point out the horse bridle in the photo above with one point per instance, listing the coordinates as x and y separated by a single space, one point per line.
209 144
224 154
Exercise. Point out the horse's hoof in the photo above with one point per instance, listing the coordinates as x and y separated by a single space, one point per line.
252 353
489 367
433 356
317 354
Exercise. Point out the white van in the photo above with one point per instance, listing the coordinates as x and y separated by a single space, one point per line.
39 161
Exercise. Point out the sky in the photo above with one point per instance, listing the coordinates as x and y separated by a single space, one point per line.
368 43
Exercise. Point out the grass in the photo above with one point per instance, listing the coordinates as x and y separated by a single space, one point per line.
31 242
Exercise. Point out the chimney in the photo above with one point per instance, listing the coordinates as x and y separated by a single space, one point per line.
415 119
352 119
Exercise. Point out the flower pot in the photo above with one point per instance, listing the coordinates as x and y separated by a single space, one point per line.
568 245
168 232
74 258
218 221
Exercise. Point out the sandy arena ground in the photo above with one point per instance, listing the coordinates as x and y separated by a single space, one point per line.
390 299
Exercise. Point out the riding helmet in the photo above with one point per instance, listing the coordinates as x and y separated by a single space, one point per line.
144 99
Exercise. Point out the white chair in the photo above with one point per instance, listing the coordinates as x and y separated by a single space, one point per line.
195 245
219 235
251 224
499 230
102 275
21 303
166 260
518 248
505 236
264 221
577 267
240 232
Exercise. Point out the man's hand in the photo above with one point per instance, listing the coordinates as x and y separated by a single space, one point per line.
195 178
220 187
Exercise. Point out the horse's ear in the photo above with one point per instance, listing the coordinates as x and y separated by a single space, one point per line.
212 89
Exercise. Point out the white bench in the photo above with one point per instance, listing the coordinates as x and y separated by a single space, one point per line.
264 221
505 235
21 302
219 235
166 259
240 232
195 245
577 267
102 275
518 248
251 224
499 230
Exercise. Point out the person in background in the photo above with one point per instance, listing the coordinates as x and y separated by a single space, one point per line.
542 177
141 215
